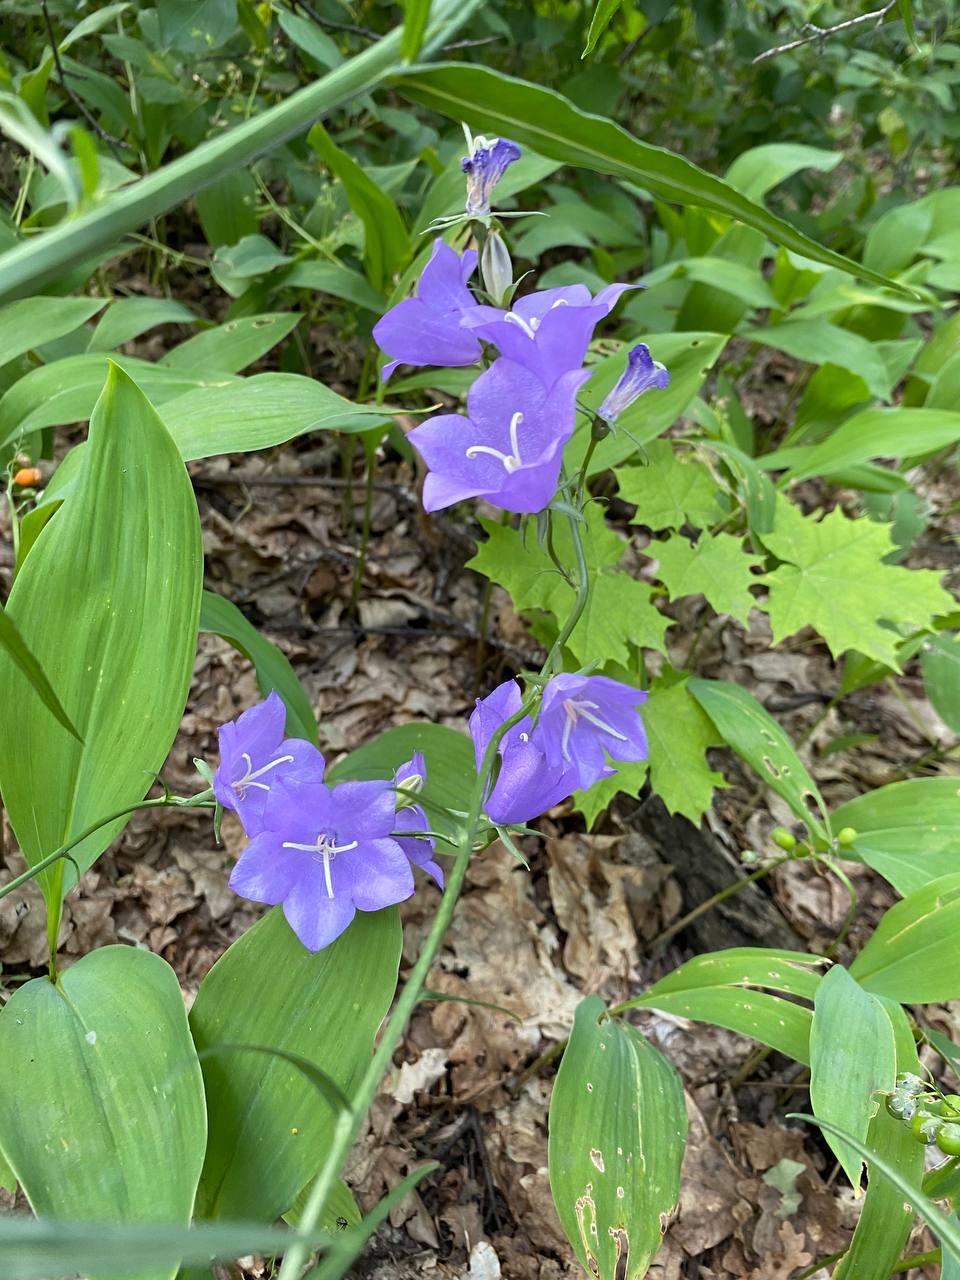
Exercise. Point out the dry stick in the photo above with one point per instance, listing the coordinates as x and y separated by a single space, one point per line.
349 1123
819 33
62 77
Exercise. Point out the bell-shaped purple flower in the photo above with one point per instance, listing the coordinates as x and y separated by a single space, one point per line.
509 449
255 756
428 329
642 373
527 784
484 167
548 332
409 781
583 716
325 853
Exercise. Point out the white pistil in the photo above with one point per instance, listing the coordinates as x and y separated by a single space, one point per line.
510 461
327 850
574 710
249 778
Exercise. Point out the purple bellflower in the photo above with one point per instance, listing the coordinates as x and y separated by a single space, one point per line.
581 716
409 781
528 784
548 332
325 853
509 449
255 756
484 167
642 373
428 329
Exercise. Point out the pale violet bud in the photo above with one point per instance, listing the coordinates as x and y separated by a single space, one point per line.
484 167
642 373
496 269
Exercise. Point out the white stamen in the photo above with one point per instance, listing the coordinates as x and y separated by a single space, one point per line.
248 780
574 710
510 461
327 850
529 327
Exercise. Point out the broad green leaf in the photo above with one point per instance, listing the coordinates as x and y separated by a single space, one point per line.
107 601
759 170
619 610
618 1129
386 243
102 1113
756 489
820 343
668 490
314 42
18 122
415 15
853 1056
908 831
835 580
195 26
237 267
913 955
272 665
945 1228
874 433
259 412
774 1022
947 1050
734 278
553 126
32 1250
688 356
128 318
940 660
603 15
338 281
448 756
12 641
230 347
227 207
32 322
886 1219
716 567
268 1128
792 972
678 736
66 390
340 1207
758 738
44 259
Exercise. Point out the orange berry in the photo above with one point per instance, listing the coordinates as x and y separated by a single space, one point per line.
28 477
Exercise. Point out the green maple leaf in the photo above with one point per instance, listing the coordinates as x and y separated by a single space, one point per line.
619 610
679 733
835 580
716 567
669 492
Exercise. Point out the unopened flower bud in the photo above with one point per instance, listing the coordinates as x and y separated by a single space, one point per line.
749 857
484 167
784 838
846 836
642 373
496 269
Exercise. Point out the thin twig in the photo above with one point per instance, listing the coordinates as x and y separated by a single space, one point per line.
332 25
819 33
62 77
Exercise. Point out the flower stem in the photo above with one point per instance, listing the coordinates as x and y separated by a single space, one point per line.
349 1122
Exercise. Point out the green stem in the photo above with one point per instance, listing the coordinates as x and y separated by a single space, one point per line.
349 1123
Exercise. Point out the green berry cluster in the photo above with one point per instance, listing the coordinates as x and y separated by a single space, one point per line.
934 1117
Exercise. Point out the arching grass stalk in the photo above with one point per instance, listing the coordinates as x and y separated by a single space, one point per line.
349 1123
199 801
